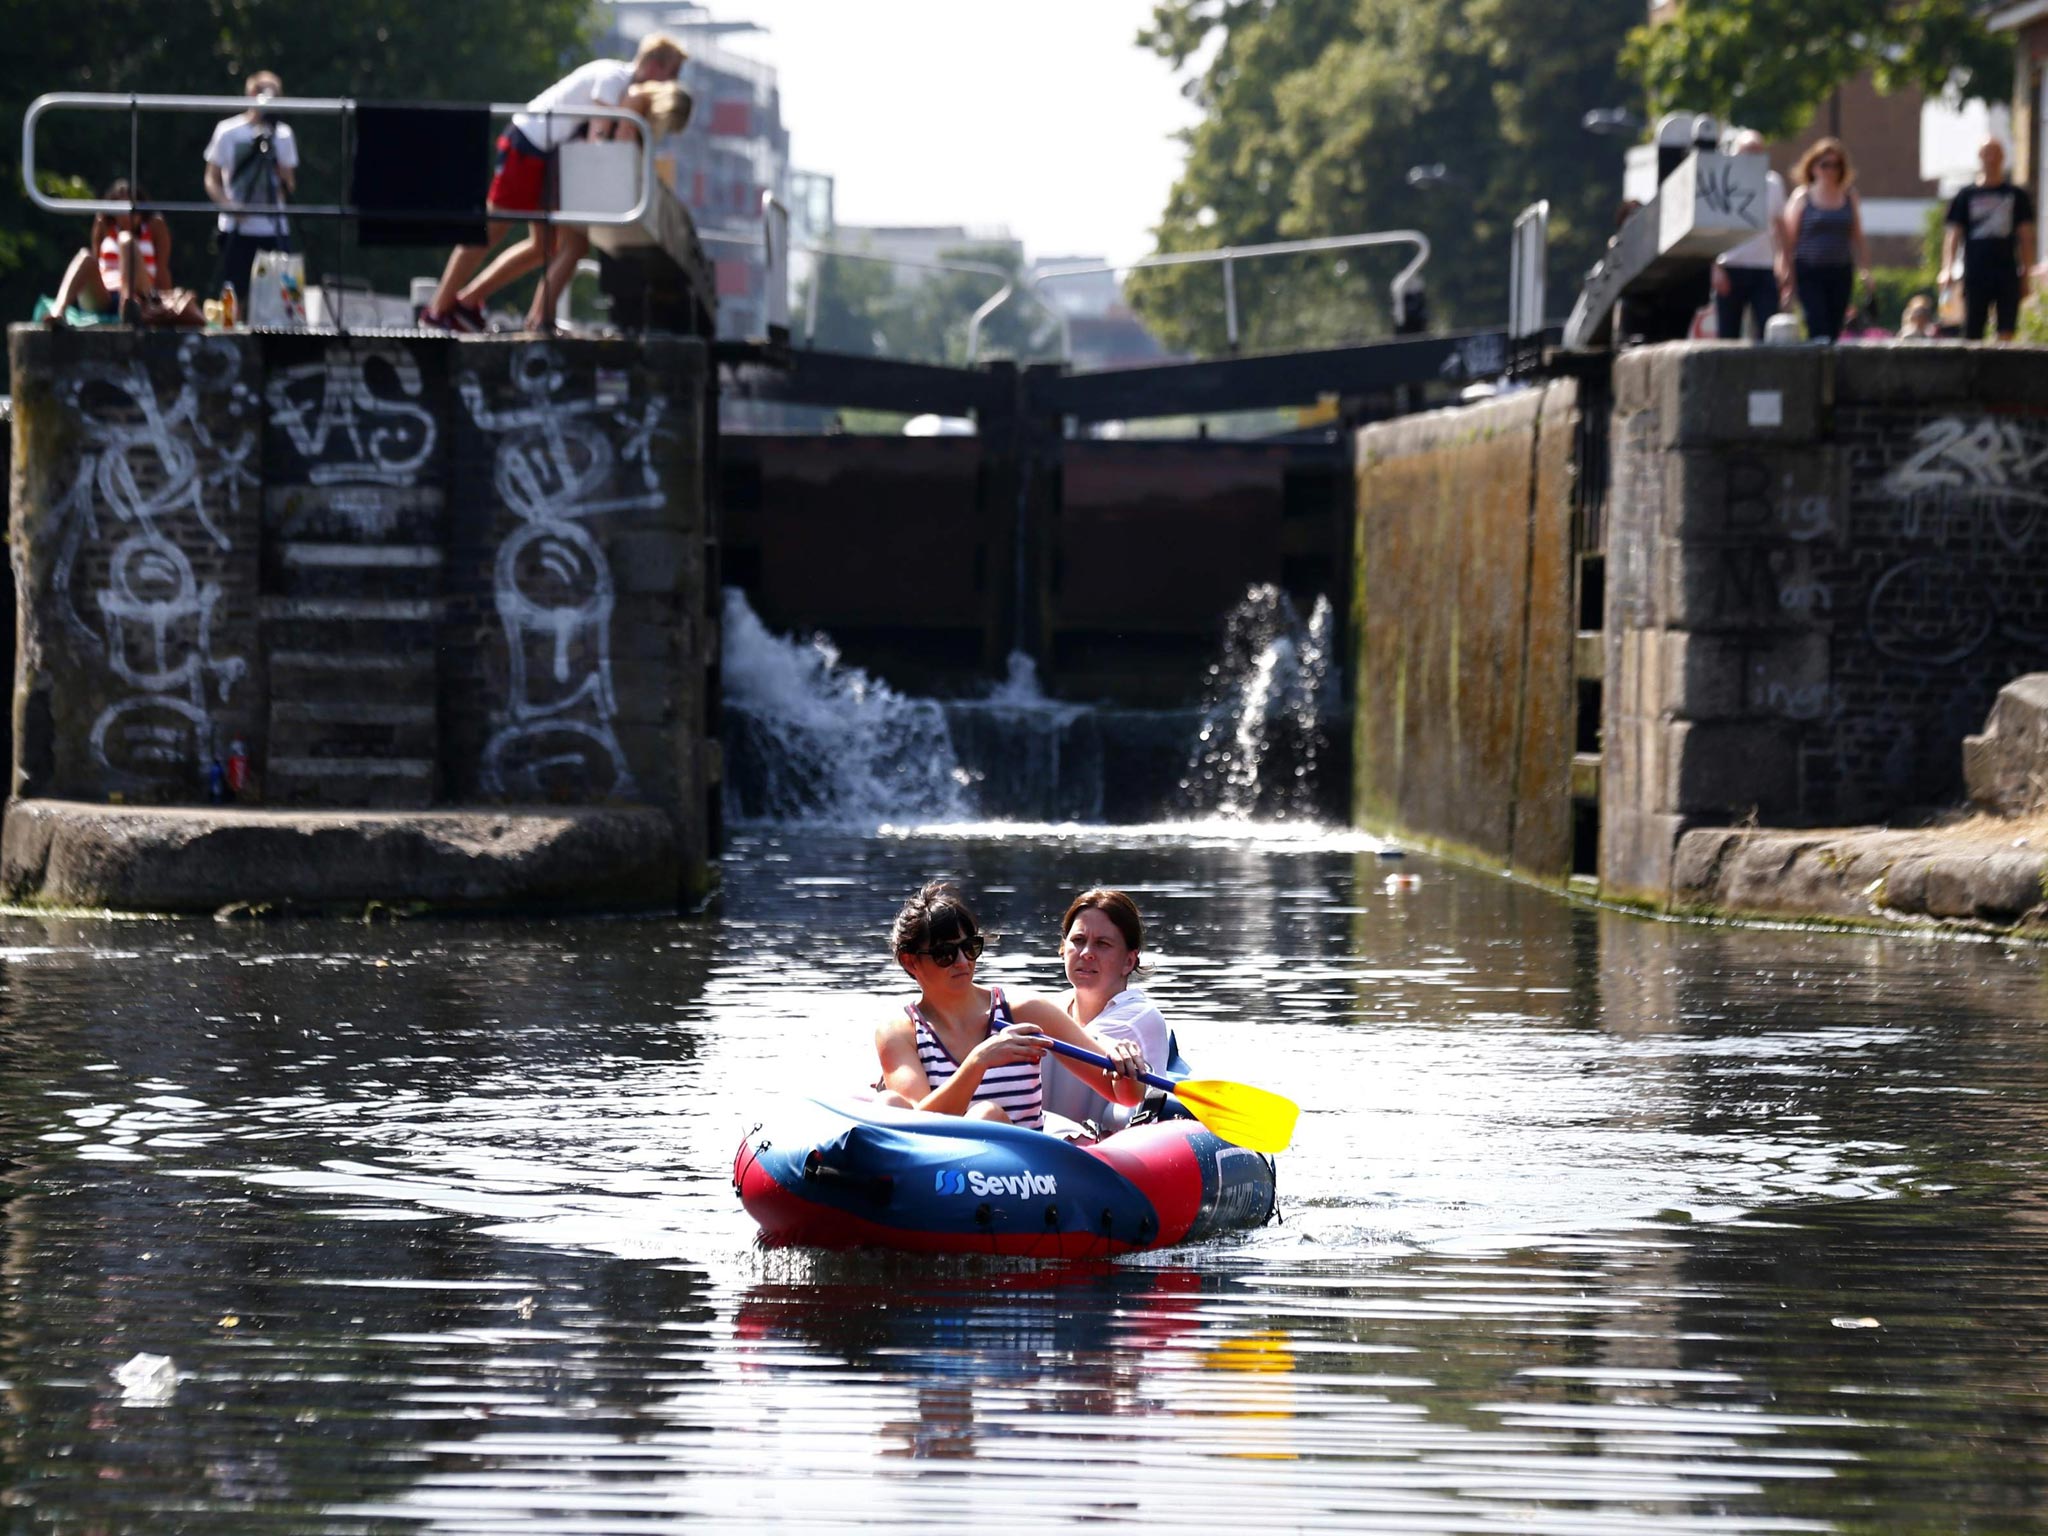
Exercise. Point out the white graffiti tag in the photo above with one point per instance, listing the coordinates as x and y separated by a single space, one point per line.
153 467
556 467
1986 458
355 416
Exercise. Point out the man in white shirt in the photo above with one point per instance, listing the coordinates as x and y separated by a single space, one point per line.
252 161
520 182
1750 277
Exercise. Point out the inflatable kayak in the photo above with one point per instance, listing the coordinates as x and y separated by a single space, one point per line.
860 1175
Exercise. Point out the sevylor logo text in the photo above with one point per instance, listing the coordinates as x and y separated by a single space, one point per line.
971 1181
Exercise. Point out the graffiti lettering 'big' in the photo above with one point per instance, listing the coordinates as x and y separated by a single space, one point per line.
556 468
136 535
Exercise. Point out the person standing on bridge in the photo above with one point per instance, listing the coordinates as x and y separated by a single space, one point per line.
1824 235
1988 245
526 169
251 161
1747 279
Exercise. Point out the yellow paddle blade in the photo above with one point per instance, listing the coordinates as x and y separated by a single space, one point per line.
1241 1114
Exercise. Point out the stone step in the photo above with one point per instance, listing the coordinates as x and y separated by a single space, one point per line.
368 743
350 781
338 676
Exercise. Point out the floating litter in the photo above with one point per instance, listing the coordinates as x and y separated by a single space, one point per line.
147 1380
1402 883
1855 1322
1391 852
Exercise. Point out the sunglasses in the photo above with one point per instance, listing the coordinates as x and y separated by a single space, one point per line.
1829 164
946 954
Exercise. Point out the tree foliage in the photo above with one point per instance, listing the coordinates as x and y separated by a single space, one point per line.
1768 64
1314 113
449 50
864 309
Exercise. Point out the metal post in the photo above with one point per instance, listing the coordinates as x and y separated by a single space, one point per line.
1230 301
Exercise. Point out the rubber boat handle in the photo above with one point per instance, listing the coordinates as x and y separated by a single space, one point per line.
1097 1059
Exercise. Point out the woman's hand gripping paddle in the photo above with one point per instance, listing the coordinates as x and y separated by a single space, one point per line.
1241 1114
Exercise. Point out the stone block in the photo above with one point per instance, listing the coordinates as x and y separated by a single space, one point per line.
2014 379
1904 374
1749 495
1727 770
1637 852
1790 677
1705 676
1741 587
2005 769
1710 395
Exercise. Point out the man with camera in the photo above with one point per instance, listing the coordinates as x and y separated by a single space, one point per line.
251 162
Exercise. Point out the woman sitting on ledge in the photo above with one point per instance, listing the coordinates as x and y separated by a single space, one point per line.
962 1049
124 258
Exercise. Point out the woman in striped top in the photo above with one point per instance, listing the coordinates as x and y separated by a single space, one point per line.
963 1049
123 256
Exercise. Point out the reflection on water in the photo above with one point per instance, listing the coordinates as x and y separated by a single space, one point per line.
1591 1225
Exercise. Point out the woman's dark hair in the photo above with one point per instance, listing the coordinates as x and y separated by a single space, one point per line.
1122 913
117 191
937 913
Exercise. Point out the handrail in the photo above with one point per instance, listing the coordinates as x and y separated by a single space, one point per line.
979 269
328 106
1229 255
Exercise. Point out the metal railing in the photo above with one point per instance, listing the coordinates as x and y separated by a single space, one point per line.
310 106
1404 280
1008 280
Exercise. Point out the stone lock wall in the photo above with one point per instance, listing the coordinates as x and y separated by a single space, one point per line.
1463 629
1822 565
401 572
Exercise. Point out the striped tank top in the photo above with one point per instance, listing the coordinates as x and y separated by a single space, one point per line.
1824 235
1017 1086
110 259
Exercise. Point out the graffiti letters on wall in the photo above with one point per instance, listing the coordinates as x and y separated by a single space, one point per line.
357 420
562 460
137 531
1972 495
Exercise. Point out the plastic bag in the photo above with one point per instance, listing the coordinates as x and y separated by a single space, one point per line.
277 291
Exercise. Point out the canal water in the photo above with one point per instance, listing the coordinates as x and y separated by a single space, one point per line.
1592 1224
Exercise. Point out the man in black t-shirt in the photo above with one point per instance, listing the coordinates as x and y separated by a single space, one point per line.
1993 222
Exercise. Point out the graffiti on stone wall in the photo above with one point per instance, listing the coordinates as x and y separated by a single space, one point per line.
1969 492
556 468
356 417
1761 499
1483 356
135 530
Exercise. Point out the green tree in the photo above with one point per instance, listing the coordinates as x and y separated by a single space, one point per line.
1767 64
451 50
1314 113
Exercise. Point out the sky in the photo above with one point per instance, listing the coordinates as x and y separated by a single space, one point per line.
1043 116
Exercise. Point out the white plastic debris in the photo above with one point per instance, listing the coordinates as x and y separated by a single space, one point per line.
147 1380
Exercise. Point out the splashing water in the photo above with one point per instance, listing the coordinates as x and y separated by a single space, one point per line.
1262 731
811 740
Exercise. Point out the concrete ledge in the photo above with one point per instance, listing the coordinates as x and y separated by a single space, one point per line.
73 854
1864 875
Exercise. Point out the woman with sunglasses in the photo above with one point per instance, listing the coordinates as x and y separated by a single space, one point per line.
964 1049
1824 233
